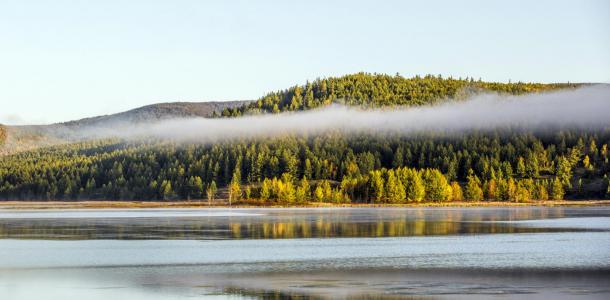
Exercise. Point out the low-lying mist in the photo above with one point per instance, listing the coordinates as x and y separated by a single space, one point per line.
584 107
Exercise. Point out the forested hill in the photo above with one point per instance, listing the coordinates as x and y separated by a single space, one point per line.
504 164
377 90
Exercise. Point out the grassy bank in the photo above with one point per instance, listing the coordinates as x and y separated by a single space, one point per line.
251 204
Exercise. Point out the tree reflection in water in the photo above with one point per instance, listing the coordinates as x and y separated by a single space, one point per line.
287 223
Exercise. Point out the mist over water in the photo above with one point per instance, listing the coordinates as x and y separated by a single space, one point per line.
584 107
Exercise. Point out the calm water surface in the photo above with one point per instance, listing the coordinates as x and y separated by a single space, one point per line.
414 253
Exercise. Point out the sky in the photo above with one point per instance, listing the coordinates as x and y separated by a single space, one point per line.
64 60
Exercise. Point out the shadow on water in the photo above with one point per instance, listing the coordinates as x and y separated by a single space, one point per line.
295 223
283 295
427 284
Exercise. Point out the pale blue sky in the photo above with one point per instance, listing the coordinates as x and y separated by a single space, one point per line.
62 60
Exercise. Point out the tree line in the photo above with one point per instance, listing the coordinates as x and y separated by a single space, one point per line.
333 166
509 164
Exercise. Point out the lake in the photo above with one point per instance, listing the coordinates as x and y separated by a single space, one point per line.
347 253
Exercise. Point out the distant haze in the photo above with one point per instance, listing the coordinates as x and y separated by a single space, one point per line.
584 107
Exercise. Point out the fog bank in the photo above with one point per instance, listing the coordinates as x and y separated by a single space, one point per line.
584 107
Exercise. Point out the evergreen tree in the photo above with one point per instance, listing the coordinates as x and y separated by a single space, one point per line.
436 185
394 190
473 189
557 189
521 167
327 190
542 192
198 187
587 163
167 193
319 194
531 168
522 193
211 192
286 191
235 187
490 190
456 190
303 193
377 185
248 192
564 171
414 185
265 193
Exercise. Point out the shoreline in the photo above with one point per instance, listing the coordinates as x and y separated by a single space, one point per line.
203 204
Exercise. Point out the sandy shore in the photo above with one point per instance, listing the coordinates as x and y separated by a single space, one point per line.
204 204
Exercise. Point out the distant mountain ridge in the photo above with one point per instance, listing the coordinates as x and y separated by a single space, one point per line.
25 137
160 111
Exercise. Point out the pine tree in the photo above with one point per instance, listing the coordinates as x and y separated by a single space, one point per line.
166 191
414 185
586 163
564 171
456 191
307 169
532 169
473 189
197 187
265 193
327 190
303 192
335 196
211 192
522 193
248 192
511 189
436 185
557 189
592 151
490 190
521 167
286 193
377 186
319 194
398 158
235 186
394 190
542 193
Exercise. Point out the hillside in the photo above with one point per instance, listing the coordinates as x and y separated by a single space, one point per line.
19 138
496 165
380 90
500 164
160 111
361 89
